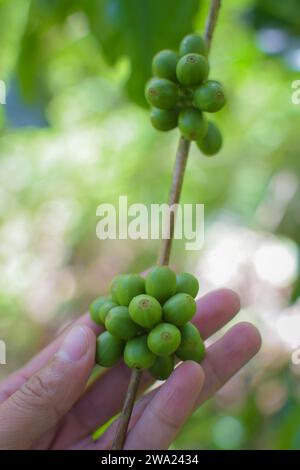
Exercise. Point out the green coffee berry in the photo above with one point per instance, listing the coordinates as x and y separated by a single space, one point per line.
127 287
212 141
179 309
105 308
187 284
161 93
119 323
191 346
164 119
113 287
162 367
109 349
192 124
192 69
164 339
161 283
193 43
145 311
210 96
94 308
137 354
164 64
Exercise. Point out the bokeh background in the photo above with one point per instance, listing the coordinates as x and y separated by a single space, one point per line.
75 133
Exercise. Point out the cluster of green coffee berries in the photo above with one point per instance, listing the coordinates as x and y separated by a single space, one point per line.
147 321
180 93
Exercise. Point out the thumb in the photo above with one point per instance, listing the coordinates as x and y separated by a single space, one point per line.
40 403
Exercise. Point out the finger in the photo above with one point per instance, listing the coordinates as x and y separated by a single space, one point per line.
42 400
17 379
104 399
223 359
167 412
214 310
227 356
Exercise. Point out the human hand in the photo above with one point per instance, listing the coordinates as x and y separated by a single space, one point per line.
45 405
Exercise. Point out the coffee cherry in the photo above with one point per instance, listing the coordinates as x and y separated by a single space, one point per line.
212 141
210 96
119 323
94 308
145 311
187 284
162 367
164 339
137 354
109 349
105 308
192 69
193 43
191 346
179 309
164 64
164 119
113 287
161 93
192 124
127 287
161 283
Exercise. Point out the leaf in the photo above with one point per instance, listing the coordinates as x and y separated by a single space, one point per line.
138 29
276 13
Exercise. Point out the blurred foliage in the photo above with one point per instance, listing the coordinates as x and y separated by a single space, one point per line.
122 28
138 29
73 137
277 13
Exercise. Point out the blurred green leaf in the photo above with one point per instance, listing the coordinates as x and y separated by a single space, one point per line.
137 29
277 13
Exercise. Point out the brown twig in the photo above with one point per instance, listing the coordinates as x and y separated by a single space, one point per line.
212 21
124 419
174 198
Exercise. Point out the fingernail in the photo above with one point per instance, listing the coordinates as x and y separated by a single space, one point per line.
74 345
